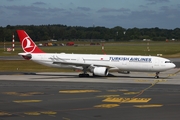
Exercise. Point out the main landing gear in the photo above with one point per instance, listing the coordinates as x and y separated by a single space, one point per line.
157 75
84 74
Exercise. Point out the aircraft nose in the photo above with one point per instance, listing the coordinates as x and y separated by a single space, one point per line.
173 65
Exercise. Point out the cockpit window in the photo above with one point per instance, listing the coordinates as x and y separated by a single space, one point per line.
168 62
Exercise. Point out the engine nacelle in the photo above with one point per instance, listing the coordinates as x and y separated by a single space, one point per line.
100 71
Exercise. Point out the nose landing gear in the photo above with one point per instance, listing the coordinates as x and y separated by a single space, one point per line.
157 75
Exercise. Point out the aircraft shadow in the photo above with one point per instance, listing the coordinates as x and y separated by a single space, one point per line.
60 76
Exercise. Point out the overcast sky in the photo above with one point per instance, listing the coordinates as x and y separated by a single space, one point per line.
87 13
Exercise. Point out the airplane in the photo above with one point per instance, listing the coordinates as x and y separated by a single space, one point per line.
98 65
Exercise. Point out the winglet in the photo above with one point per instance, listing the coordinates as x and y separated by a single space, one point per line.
27 43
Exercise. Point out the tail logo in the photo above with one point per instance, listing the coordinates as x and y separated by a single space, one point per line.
27 45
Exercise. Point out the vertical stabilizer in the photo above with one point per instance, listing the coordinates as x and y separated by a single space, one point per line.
27 43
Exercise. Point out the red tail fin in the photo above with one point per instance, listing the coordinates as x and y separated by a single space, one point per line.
27 43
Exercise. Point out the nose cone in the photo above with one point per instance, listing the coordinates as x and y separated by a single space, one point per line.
173 65
170 66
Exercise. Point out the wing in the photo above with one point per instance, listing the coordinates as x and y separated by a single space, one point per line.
87 65
80 64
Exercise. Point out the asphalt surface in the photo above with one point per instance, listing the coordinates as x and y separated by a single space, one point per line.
51 96
94 101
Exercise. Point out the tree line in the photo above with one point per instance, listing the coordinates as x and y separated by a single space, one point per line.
63 32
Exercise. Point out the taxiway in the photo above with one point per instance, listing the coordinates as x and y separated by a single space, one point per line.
64 96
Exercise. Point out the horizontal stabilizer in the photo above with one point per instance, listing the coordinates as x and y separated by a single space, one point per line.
26 56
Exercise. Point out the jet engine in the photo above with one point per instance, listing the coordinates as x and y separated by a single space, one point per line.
100 71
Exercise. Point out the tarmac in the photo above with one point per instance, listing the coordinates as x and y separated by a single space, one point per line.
64 96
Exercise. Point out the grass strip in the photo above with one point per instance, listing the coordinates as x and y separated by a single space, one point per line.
27 66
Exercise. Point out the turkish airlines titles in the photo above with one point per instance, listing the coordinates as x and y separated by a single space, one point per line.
130 59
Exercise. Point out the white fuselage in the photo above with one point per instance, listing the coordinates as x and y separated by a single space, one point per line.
113 62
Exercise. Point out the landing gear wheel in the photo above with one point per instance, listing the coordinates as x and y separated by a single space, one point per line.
156 77
94 75
83 75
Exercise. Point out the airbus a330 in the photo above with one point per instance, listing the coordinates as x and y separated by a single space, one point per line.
98 65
